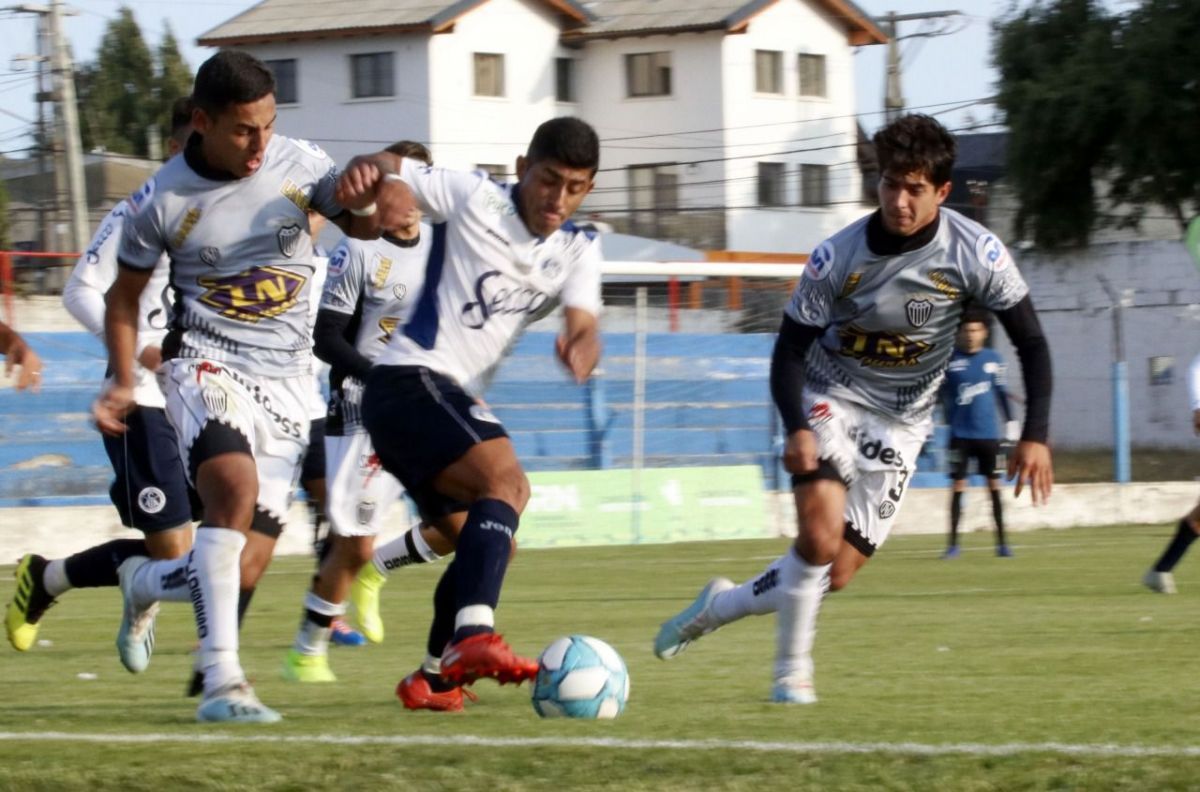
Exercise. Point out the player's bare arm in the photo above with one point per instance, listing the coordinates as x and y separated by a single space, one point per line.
120 333
578 347
1030 465
363 185
18 353
800 454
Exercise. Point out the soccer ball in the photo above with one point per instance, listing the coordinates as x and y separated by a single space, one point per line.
580 677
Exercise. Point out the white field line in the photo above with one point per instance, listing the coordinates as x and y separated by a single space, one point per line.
441 741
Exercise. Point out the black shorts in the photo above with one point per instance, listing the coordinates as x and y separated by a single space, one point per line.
984 452
420 423
150 491
313 466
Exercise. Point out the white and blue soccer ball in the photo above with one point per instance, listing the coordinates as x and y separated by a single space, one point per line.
580 677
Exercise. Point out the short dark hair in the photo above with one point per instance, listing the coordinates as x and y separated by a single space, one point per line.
231 77
181 115
411 150
916 143
568 140
977 314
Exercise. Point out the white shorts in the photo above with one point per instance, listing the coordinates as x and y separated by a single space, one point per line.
874 456
359 493
270 413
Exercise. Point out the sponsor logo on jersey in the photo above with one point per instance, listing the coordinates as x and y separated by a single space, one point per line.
918 311
254 294
190 218
820 262
294 193
498 204
850 285
388 325
289 239
481 413
819 414
886 510
151 500
875 449
968 391
210 255
383 266
92 256
991 252
943 285
142 196
882 349
499 301
338 261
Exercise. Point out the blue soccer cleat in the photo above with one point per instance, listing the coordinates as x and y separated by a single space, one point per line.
235 704
1003 551
952 552
692 622
343 634
135 638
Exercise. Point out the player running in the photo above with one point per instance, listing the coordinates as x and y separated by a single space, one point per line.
855 373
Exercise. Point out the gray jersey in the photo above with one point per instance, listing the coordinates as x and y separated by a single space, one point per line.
241 255
890 320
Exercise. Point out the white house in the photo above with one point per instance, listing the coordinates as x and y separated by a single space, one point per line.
725 124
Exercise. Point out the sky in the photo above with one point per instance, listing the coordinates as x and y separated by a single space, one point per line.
929 84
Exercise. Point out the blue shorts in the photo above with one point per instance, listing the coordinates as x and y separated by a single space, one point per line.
420 423
150 491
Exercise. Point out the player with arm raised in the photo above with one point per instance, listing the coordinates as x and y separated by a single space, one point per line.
499 255
230 213
855 374
150 490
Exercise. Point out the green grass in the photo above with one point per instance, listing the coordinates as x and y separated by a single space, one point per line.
1145 464
1058 645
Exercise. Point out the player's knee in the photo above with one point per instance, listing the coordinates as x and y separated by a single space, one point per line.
171 543
353 552
228 488
512 487
840 578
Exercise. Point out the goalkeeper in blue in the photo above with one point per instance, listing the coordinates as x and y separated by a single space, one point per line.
1161 576
855 374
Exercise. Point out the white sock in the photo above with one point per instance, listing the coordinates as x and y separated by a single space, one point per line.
162 581
432 666
801 588
213 577
313 638
408 548
54 578
475 616
757 596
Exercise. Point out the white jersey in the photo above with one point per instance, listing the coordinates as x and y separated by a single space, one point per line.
488 276
241 253
94 273
890 320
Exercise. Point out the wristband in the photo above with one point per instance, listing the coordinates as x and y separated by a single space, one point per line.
392 177
366 211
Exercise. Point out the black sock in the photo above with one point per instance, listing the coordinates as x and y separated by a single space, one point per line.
441 630
1184 536
482 558
244 597
955 516
998 516
96 567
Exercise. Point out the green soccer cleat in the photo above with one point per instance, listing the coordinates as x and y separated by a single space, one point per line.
235 704
307 668
364 599
29 602
690 623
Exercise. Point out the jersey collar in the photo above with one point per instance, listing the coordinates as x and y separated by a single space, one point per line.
884 243
194 157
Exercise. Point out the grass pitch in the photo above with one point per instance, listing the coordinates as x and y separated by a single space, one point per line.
1051 670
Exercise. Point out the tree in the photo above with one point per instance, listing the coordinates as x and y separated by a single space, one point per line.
174 78
1058 91
120 102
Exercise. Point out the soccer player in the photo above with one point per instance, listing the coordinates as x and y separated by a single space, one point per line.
855 374
372 288
150 489
18 353
1161 577
230 213
500 255
974 377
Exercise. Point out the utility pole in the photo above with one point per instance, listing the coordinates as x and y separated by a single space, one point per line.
893 101
68 123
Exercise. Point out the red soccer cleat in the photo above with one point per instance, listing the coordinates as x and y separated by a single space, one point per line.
485 656
415 693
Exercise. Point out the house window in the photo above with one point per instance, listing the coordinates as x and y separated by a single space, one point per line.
285 80
814 185
564 79
372 75
497 172
648 74
489 74
768 71
812 75
770 183
653 193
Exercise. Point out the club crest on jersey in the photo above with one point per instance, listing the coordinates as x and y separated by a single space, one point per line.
991 252
289 239
551 268
254 294
216 401
366 511
886 509
399 291
151 500
820 262
210 255
918 311
881 350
